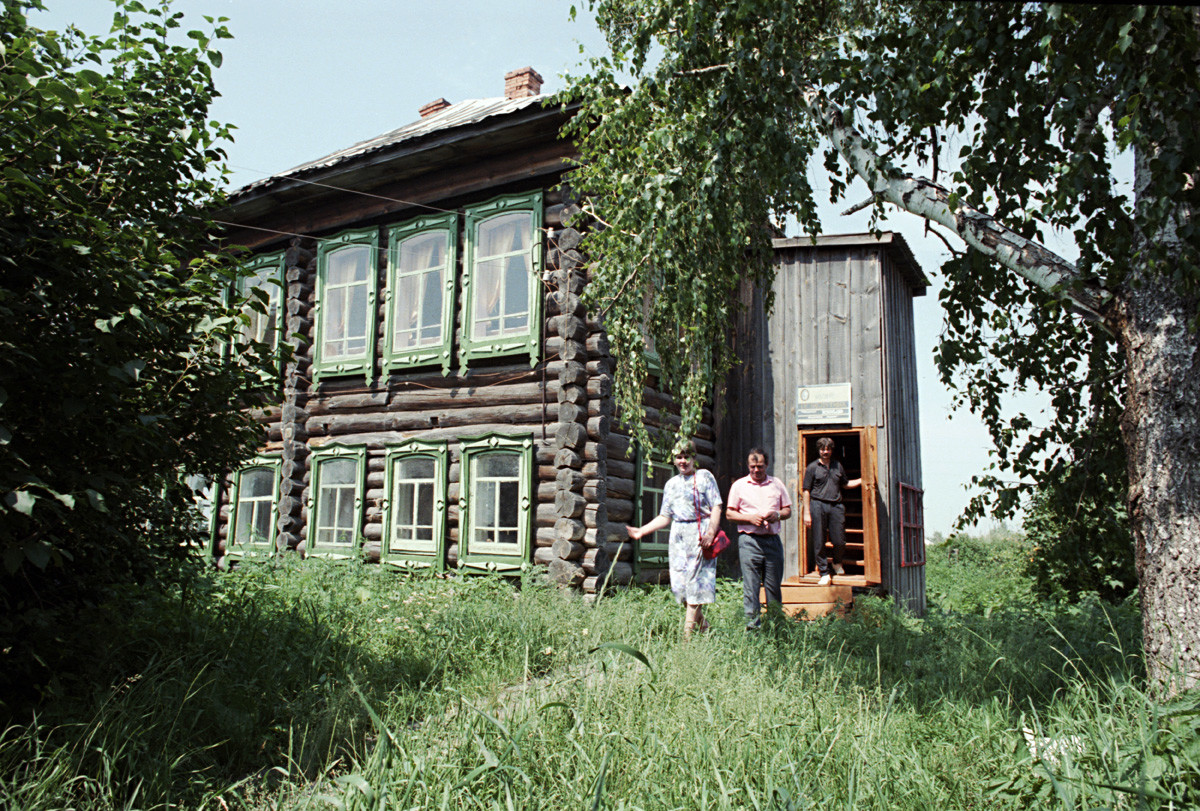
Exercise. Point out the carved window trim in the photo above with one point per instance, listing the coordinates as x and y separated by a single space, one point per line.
407 553
441 353
529 341
319 460
359 363
495 556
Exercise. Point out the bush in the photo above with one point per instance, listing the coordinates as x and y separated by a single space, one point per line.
117 379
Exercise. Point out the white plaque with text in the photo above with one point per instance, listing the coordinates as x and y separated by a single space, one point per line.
825 404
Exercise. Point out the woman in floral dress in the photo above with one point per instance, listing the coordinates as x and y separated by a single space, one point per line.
693 578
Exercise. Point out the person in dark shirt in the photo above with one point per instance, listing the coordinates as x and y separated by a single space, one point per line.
824 511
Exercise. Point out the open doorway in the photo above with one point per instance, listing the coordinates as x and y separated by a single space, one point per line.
854 448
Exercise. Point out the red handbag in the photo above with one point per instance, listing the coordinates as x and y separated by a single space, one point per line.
721 541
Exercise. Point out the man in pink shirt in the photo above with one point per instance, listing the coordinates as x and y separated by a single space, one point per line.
758 503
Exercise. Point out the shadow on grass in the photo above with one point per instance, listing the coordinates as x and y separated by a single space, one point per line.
1023 656
174 697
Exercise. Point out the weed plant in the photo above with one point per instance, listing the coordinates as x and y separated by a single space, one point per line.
315 686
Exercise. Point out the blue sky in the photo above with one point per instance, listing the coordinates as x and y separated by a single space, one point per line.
303 78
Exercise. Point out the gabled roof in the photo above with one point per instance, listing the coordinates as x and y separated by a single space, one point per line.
462 114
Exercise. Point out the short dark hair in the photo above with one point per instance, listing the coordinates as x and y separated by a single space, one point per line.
757 451
825 442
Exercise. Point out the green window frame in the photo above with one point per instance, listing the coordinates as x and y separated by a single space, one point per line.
337 482
346 309
495 502
264 274
422 276
254 509
416 475
502 279
652 477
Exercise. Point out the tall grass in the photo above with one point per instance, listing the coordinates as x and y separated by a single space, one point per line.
316 686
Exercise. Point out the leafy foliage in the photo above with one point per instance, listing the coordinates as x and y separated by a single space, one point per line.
1033 111
114 343
1024 108
686 173
1079 526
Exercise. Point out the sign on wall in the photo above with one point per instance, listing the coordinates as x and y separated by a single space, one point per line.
824 404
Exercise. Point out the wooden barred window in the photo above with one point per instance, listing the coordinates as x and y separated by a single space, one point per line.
345 305
422 264
912 526
502 279
652 477
335 501
496 502
414 512
262 283
254 498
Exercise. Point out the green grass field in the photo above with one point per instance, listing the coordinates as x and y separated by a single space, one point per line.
318 686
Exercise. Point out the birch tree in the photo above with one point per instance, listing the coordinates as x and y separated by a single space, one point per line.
1000 125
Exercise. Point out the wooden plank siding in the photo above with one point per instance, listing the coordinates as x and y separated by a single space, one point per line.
842 313
903 436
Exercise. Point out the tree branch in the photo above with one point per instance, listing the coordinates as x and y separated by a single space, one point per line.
1028 259
701 71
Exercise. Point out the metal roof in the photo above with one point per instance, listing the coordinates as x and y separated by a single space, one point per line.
461 114
901 253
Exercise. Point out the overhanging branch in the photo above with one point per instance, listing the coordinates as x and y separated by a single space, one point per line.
920 196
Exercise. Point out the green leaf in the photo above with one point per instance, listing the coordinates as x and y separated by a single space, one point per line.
628 651
96 499
38 553
20 500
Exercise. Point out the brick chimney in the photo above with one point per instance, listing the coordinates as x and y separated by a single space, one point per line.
433 107
522 83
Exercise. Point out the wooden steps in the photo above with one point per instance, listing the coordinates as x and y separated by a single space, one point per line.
802 597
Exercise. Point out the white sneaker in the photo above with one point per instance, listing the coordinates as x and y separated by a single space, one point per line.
824 581
838 570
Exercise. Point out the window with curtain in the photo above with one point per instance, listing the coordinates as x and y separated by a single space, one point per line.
346 290
422 264
496 479
344 315
502 272
414 511
264 274
503 279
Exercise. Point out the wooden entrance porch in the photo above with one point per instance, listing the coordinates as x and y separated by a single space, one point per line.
803 598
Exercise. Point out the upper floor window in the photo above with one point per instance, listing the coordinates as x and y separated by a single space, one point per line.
422 260
345 307
261 284
503 273
254 497
414 515
496 502
335 499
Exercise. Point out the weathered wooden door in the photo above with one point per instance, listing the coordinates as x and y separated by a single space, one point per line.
855 448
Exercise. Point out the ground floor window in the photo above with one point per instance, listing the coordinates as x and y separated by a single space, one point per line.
496 503
651 476
254 497
336 499
415 509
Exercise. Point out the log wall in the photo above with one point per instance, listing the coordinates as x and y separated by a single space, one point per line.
564 403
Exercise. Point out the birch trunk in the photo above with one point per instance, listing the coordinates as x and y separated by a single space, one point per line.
1161 421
